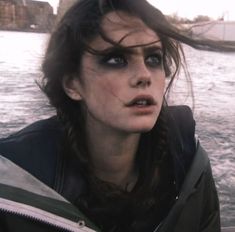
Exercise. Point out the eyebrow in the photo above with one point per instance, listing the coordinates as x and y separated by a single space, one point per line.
131 50
152 49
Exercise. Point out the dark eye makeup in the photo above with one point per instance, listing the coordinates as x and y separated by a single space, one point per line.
114 59
120 58
154 60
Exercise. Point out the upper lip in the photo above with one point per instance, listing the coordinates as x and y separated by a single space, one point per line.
150 100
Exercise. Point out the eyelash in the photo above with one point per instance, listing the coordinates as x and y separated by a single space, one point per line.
114 60
120 60
158 60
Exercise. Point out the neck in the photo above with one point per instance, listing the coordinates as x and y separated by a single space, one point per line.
113 156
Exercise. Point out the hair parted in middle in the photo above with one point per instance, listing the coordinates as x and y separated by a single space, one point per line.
69 41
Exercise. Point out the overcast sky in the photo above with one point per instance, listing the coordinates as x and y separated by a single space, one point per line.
190 9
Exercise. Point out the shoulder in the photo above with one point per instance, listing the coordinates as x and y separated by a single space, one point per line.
40 132
181 118
46 125
197 207
181 137
200 193
181 126
35 148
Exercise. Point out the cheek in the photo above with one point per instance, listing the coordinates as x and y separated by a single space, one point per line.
160 88
160 82
163 84
110 91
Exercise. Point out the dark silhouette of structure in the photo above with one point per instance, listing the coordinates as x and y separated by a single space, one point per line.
26 15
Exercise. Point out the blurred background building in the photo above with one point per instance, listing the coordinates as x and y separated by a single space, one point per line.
63 6
26 15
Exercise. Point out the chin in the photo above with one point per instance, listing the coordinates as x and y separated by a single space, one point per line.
142 128
145 125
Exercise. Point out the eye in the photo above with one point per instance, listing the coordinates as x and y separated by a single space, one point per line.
115 60
154 60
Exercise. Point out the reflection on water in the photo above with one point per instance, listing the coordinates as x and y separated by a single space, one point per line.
212 74
20 60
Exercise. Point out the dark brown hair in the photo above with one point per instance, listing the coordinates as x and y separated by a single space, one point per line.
71 37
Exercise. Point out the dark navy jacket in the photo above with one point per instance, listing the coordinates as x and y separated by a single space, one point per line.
37 149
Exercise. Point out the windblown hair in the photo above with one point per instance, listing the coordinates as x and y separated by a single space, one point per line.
79 26
70 39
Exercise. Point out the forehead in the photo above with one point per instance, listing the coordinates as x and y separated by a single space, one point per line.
124 29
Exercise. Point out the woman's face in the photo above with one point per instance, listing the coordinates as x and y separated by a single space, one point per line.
122 89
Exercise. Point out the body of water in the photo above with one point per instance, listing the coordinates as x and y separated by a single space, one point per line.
212 75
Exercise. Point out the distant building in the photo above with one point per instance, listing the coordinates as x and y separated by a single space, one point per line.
12 16
26 15
64 5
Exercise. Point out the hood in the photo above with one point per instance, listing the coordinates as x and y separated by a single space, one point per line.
24 195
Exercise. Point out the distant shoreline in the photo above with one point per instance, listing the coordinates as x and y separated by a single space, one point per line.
26 30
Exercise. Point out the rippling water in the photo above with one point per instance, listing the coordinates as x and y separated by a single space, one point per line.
213 77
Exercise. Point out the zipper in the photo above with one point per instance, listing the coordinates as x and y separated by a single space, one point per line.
158 227
33 213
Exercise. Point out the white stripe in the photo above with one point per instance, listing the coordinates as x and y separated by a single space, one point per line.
43 216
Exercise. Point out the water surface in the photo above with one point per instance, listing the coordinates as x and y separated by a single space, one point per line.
212 75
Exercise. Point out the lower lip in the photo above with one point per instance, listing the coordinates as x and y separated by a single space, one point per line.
143 110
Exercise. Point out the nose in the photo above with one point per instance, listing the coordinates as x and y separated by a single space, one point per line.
142 83
141 77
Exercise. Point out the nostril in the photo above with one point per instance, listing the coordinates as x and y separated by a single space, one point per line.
143 83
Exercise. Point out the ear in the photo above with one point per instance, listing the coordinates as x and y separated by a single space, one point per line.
72 88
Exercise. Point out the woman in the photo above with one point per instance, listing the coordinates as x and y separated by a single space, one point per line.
115 157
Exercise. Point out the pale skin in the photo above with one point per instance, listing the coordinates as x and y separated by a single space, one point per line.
115 90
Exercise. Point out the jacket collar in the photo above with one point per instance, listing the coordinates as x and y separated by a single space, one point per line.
198 167
23 195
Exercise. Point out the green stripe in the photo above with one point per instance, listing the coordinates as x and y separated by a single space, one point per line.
60 208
